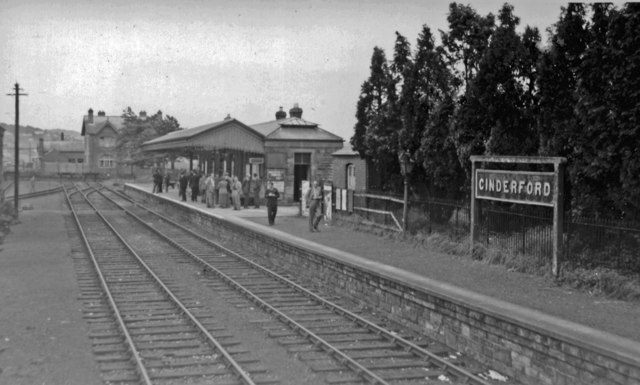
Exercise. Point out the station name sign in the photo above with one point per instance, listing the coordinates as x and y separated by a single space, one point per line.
534 188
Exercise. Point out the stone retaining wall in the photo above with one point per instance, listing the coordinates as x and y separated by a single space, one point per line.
526 345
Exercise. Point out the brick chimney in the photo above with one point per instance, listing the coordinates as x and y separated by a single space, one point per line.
228 117
101 113
143 115
281 114
90 115
296 111
62 134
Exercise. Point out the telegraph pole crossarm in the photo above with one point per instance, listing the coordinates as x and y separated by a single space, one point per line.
16 177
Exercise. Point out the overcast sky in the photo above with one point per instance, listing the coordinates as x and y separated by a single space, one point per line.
201 60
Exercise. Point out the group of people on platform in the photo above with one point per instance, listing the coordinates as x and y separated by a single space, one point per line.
226 191
161 180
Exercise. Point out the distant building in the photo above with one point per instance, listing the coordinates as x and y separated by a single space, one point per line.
285 150
100 134
62 157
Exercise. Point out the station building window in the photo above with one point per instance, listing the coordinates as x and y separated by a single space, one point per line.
106 162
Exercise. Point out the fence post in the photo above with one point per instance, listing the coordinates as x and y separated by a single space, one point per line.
522 227
558 215
474 205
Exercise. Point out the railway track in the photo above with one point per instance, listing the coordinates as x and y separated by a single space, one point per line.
340 344
144 328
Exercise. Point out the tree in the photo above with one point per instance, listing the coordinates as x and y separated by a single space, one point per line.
372 101
557 81
137 130
468 37
606 167
497 113
375 136
438 153
426 104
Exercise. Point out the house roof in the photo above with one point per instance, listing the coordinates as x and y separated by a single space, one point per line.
100 122
231 132
294 129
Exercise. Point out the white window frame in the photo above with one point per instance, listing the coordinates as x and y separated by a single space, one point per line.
110 161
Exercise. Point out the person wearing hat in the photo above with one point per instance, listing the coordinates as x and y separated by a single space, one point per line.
271 195
314 202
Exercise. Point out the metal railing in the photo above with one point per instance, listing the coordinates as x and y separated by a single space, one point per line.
526 230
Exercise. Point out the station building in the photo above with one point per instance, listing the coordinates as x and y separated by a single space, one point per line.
286 150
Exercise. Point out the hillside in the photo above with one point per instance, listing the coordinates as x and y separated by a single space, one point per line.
47 134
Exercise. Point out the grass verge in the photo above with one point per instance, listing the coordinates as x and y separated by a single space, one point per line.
603 282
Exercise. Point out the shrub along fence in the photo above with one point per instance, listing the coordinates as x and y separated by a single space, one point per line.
526 230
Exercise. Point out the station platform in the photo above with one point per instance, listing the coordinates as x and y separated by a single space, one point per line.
250 212
539 294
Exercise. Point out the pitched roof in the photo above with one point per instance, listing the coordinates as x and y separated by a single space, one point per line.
346 151
99 122
192 132
294 129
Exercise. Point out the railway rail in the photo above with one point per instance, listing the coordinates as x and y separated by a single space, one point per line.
343 345
167 337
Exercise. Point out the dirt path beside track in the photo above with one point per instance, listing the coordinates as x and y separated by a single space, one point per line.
43 338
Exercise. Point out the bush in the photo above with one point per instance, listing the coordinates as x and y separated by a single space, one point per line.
7 218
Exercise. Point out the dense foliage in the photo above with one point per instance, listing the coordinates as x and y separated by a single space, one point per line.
139 129
489 89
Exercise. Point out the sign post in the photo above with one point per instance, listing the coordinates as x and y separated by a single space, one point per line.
524 187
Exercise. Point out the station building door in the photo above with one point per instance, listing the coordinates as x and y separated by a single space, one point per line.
302 162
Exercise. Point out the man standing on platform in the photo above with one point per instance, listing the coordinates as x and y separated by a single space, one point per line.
194 184
256 183
314 202
184 181
210 187
272 195
246 190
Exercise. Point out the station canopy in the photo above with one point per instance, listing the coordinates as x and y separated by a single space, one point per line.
228 134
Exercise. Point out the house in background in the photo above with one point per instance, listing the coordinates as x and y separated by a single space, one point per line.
100 134
61 157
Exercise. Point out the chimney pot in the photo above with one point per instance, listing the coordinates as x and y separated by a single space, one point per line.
90 115
101 113
296 111
281 114
228 117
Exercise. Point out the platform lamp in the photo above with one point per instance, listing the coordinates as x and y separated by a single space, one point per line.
406 166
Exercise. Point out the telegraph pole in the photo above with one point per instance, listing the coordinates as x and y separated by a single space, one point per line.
16 177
